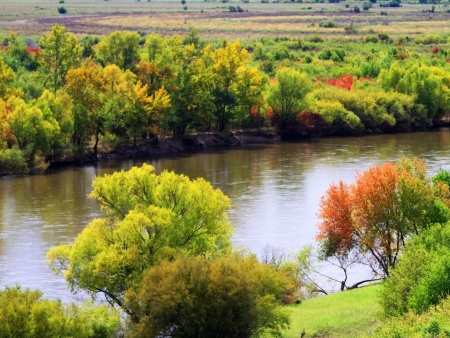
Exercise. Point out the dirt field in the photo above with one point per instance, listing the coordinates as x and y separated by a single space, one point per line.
214 20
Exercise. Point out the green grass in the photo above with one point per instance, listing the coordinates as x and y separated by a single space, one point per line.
348 314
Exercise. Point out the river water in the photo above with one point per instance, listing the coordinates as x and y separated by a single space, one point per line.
275 191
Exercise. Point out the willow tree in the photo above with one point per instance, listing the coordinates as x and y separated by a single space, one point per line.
148 219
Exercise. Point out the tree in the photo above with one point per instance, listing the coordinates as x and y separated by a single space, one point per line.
149 219
24 126
120 49
229 296
285 96
57 110
86 87
60 53
7 75
191 102
234 85
374 216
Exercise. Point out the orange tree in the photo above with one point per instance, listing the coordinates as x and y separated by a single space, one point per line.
371 218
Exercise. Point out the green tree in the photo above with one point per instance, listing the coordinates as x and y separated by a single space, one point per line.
57 111
60 53
120 49
285 96
149 218
26 128
229 296
191 102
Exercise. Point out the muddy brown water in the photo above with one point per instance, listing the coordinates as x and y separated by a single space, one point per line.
275 191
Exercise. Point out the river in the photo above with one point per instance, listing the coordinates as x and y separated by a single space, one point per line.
275 191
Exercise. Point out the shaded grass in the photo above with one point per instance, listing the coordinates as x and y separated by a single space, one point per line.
353 313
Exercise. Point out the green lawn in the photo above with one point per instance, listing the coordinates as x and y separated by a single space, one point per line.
349 314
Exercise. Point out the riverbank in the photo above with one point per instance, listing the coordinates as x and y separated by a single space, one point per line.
160 147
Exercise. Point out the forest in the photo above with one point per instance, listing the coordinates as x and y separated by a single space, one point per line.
62 96
161 257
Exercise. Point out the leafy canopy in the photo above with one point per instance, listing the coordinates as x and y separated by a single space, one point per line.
149 218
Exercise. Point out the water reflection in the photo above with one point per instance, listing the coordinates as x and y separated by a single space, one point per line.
275 191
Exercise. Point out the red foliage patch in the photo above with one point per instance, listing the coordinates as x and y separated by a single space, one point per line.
31 50
344 81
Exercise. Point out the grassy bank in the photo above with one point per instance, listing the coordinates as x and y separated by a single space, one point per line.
349 314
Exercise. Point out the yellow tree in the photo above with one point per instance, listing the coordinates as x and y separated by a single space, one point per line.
86 87
235 86
148 219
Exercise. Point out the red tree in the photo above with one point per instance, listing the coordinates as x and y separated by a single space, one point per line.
373 216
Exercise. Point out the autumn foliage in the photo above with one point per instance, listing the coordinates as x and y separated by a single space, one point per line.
373 217
344 81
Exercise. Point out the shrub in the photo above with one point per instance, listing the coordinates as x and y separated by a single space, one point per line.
315 38
230 296
356 9
328 24
24 313
62 10
371 39
433 323
12 162
422 277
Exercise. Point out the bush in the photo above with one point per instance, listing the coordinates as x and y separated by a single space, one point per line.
422 277
315 38
24 313
371 39
230 296
62 10
356 9
433 323
12 162
328 24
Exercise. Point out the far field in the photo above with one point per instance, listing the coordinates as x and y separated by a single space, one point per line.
214 19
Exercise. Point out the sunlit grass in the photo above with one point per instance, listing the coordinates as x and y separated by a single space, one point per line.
350 314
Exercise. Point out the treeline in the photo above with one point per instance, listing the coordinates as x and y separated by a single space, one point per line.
61 96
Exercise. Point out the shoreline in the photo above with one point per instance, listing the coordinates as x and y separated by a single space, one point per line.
167 146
